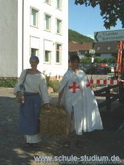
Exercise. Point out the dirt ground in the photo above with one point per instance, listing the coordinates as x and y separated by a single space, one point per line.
95 146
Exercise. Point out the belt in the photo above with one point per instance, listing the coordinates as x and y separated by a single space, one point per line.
30 94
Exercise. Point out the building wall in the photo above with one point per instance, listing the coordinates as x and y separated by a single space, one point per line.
58 69
41 39
8 38
19 36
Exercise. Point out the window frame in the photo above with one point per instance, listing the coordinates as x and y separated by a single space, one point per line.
47 27
36 51
48 1
59 4
58 53
58 26
36 17
49 56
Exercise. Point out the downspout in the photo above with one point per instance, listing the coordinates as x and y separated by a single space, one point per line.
22 34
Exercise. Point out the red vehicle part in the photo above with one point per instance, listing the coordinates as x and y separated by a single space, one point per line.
120 56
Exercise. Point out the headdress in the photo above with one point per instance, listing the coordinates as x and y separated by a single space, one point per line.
33 57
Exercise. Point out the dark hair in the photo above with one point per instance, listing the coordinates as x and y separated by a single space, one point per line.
74 57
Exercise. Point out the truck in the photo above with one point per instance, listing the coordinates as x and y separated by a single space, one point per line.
119 72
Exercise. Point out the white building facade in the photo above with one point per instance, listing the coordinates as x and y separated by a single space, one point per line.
33 27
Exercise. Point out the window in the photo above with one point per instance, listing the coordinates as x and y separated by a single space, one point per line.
34 52
98 48
58 26
48 1
58 52
47 22
58 4
34 17
47 56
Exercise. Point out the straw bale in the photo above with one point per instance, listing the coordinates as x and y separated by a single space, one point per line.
53 121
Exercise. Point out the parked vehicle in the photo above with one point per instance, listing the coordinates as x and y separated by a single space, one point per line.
95 69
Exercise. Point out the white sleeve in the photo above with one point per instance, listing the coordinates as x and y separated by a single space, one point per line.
20 81
64 81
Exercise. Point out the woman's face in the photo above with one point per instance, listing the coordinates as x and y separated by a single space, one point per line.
33 63
74 64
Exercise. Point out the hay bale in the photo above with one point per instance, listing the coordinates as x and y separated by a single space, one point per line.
53 121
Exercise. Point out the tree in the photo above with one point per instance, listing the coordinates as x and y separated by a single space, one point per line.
77 37
111 10
86 60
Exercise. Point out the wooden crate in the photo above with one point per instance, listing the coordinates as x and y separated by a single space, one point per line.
53 121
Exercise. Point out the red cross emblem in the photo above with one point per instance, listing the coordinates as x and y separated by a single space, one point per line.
74 87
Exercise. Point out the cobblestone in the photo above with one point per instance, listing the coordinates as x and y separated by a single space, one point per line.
107 142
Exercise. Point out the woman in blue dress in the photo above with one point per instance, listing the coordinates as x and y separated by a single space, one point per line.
35 94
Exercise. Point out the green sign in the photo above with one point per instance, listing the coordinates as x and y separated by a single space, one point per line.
112 35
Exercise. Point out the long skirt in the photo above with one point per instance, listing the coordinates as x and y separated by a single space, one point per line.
29 115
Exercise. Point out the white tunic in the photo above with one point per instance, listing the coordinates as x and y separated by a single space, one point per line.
78 98
34 83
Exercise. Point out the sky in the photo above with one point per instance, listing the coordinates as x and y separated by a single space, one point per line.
86 20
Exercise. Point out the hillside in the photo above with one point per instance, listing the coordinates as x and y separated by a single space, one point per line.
77 37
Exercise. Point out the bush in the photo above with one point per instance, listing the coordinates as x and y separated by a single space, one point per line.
12 82
47 80
55 85
8 83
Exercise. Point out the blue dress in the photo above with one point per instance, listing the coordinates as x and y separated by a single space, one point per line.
35 92
29 115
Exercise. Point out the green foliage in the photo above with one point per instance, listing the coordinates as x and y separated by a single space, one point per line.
86 60
47 80
105 60
55 85
111 10
8 83
99 60
112 60
77 37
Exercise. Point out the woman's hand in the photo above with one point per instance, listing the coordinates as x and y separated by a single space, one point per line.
19 97
59 104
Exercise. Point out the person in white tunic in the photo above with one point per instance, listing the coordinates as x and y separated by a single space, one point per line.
79 101
35 94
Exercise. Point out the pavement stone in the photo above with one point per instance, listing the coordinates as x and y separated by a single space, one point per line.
105 142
